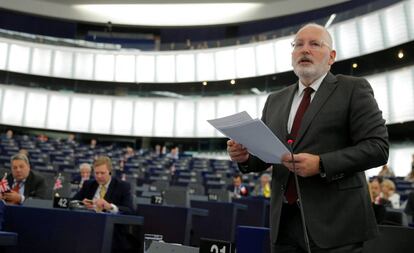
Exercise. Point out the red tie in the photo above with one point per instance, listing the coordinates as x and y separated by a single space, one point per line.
291 195
16 187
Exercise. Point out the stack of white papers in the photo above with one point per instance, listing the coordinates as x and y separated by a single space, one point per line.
252 134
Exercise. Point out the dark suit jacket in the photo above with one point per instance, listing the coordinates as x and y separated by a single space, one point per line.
118 193
345 127
34 187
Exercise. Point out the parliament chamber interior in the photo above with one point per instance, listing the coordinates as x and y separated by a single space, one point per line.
131 86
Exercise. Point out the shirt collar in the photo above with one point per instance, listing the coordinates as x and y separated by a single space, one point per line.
315 85
20 182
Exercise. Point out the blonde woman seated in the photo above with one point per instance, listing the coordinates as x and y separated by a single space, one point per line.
388 192
263 189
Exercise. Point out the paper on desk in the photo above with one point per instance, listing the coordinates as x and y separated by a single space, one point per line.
253 134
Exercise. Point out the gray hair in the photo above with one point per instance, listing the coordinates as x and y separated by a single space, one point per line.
85 165
21 157
267 175
330 40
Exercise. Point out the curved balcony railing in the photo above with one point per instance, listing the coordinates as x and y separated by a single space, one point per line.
366 34
168 117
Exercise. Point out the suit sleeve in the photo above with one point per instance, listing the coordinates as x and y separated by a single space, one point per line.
368 136
81 194
125 205
40 188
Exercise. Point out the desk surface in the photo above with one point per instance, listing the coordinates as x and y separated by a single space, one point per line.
59 230
173 222
220 224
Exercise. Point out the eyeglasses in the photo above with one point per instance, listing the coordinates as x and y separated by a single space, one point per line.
313 44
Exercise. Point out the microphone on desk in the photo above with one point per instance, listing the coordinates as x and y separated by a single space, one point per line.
290 141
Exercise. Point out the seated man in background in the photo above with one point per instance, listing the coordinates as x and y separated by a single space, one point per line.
263 188
24 182
105 193
85 171
376 193
238 189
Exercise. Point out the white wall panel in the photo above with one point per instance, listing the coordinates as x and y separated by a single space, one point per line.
348 44
80 113
19 58
104 67
396 31
63 64
265 57
3 55
58 111
13 106
165 65
380 86
125 68
225 64
184 119
101 115
205 66
185 67
283 54
402 95
36 109
245 62
164 118
372 37
41 61
144 117
145 68
122 117
84 65
206 109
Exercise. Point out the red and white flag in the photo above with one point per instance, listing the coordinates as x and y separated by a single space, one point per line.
58 183
4 185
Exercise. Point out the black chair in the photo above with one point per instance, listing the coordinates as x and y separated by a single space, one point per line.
391 239
395 217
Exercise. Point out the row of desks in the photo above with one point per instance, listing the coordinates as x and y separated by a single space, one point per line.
59 230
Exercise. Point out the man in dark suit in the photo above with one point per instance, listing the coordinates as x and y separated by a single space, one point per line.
105 193
338 133
109 194
24 183
238 189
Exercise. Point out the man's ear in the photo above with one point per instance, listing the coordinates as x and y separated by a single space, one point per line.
332 57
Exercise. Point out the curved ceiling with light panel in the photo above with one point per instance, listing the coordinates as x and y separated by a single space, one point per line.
369 33
165 12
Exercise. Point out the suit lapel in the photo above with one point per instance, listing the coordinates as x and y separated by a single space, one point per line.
28 184
326 88
285 111
110 190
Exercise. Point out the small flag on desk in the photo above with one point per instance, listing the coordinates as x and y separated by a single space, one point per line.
58 183
4 185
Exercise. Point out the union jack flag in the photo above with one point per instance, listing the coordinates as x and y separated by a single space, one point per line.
4 185
58 182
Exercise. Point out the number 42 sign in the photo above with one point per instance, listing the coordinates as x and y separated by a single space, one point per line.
215 246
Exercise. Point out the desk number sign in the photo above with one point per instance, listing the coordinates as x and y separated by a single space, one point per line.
215 246
59 202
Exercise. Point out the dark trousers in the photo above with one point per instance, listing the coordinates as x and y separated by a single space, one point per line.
291 237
